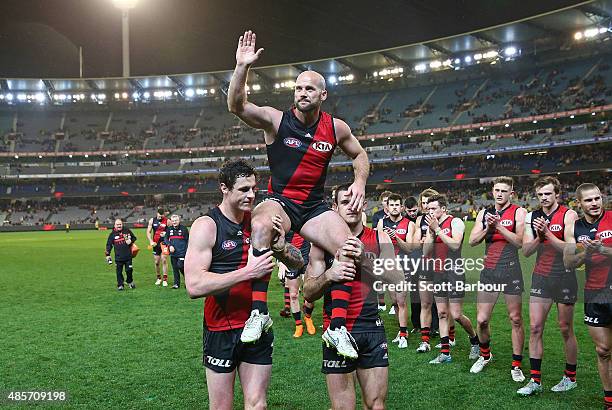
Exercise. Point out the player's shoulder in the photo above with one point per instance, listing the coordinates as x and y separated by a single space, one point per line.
204 223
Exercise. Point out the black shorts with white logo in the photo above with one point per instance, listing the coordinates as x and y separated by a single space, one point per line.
451 280
598 314
425 275
561 289
157 250
373 352
223 351
509 275
298 214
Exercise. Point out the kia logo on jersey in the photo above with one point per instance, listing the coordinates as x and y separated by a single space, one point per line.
228 245
400 231
506 222
605 235
322 146
292 142
555 228
445 231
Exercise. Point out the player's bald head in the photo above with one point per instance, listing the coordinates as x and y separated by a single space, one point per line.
312 77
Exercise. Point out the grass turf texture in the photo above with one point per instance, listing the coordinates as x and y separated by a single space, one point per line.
65 327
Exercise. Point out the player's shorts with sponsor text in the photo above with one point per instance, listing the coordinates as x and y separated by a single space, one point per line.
298 213
372 350
157 250
452 280
223 351
509 275
598 314
561 289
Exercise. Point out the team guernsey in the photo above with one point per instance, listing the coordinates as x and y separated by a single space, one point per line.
598 286
299 157
444 263
551 280
225 313
501 262
158 226
424 274
362 319
399 227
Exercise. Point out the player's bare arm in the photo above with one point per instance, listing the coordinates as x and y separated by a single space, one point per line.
478 233
407 246
264 118
361 165
454 241
199 281
530 241
571 258
149 232
282 250
317 279
418 237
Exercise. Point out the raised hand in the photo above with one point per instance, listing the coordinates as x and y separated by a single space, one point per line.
245 53
278 239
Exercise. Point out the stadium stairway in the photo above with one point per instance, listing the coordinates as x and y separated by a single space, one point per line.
425 101
471 102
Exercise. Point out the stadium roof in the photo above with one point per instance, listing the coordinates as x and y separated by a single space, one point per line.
551 29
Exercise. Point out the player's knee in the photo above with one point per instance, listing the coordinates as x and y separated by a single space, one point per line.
566 328
294 294
255 402
483 322
516 320
536 328
603 352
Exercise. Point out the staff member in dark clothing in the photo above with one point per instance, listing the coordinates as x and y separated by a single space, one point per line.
122 240
176 239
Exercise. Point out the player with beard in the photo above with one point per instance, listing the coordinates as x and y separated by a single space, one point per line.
429 312
300 143
323 270
589 242
501 227
411 208
219 267
399 228
442 246
551 283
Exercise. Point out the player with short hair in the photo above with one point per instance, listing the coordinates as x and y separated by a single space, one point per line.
551 282
122 241
589 242
156 226
411 209
442 246
219 267
399 228
501 227
376 217
300 143
176 239
429 313
363 321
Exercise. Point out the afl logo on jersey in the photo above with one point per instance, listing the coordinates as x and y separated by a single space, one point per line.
228 245
583 238
605 235
506 222
292 142
322 146
555 228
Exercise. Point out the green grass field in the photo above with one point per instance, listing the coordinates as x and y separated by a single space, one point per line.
65 327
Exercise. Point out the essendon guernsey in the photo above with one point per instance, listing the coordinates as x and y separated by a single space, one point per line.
441 252
598 267
230 309
159 226
299 157
362 312
499 252
549 261
400 228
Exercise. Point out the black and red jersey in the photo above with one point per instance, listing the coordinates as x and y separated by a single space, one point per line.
399 227
598 267
499 252
299 157
117 240
549 261
443 255
159 226
302 244
229 309
362 312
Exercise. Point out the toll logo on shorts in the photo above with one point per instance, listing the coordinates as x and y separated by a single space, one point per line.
594 320
228 245
334 364
292 142
218 362
322 146
555 228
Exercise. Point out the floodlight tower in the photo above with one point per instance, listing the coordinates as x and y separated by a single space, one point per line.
125 6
